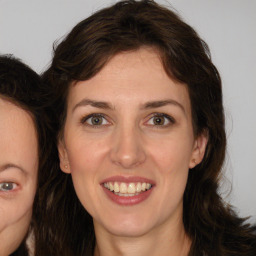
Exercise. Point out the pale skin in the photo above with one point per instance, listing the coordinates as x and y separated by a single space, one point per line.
132 120
18 174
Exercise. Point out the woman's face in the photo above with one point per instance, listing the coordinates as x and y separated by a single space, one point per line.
18 174
128 143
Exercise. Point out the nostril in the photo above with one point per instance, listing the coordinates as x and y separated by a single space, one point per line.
129 161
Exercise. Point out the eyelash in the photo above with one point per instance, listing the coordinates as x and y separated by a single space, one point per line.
15 186
85 119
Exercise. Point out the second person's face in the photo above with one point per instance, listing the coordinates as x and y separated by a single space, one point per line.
18 174
128 143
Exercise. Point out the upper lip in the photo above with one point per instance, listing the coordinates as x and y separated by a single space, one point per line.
128 179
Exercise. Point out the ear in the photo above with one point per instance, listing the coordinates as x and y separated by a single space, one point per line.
198 150
63 156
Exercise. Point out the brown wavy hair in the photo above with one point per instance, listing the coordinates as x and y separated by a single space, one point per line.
66 228
20 85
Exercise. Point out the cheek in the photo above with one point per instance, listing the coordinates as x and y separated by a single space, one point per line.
172 166
172 159
12 210
84 160
13 234
172 154
85 153
83 176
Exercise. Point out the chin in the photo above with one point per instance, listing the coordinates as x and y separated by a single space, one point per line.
128 227
128 231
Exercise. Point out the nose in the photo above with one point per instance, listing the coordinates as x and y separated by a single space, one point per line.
127 149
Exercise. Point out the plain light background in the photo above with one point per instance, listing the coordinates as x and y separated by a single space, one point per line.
28 29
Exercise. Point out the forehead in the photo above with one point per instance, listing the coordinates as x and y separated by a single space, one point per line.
12 112
130 76
18 136
126 63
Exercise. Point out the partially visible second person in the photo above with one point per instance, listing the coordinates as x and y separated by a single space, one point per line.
22 154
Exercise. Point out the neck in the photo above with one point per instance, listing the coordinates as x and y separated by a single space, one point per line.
163 241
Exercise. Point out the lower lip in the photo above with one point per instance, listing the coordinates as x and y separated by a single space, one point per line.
128 200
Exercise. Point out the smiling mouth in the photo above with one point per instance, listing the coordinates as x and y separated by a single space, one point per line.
127 189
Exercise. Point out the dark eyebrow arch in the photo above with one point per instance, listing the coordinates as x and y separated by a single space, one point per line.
162 103
93 103
148 105
9 165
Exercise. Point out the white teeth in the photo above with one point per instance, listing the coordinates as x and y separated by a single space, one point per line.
123 188
138 188
111 187
127 189
131 188
116 187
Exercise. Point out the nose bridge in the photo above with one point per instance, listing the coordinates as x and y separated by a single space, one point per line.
127 148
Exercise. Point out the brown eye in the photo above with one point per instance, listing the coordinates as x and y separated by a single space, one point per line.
158 120
94 120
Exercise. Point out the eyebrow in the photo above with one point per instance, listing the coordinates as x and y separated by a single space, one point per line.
147 105
93 103
162 103
9 165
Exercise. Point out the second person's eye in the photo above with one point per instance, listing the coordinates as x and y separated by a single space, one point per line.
7 186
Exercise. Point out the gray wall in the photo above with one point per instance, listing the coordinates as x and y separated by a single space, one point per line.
29 27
